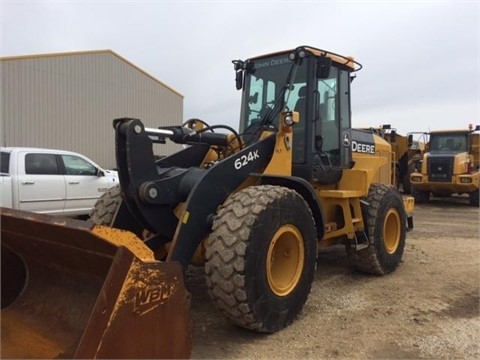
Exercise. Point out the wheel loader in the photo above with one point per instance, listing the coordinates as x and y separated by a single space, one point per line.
451 165
253 207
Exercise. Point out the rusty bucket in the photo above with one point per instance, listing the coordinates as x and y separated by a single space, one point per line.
71 289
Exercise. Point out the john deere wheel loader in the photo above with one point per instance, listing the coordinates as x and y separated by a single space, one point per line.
253 207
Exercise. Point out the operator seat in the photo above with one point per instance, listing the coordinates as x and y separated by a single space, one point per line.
301 104
299 129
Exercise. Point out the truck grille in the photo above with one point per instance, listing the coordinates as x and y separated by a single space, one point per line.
440 168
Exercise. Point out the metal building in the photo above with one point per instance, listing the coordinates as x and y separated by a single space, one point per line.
69 100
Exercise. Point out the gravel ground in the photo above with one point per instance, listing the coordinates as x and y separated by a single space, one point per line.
427 309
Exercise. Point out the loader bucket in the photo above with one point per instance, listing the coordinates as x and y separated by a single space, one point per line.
71 289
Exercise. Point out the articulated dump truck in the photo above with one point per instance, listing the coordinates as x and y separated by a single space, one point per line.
253 208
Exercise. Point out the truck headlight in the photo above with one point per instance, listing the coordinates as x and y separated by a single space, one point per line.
416 179
465 180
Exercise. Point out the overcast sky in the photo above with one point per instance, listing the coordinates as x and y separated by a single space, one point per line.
421 58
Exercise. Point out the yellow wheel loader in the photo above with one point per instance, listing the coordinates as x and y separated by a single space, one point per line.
254 208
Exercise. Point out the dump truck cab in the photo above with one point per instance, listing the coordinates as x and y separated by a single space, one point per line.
450 166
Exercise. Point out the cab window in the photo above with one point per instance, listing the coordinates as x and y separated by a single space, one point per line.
328 100
5 162
75 165
41 164
260 98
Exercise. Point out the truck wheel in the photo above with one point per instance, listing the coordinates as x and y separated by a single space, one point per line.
106 206
407 186
261 257
473 198
385 222
421 196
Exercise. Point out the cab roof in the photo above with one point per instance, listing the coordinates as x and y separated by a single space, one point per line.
339 60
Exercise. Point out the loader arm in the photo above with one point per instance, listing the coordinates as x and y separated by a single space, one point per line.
152 192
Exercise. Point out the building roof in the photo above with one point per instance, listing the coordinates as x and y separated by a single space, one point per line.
90 52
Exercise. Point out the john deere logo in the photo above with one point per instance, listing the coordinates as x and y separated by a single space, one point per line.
346 139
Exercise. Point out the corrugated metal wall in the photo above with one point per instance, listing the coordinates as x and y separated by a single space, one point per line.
68 101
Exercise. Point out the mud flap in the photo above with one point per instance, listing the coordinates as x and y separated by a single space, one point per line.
74 290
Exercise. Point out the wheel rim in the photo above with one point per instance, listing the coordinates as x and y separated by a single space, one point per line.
285 260
391 231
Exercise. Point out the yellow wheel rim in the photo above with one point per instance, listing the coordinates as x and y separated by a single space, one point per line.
285 259
392 231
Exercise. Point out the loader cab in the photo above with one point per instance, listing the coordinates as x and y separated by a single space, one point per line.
318 88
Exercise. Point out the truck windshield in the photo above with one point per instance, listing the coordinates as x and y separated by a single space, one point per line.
264 86
448 143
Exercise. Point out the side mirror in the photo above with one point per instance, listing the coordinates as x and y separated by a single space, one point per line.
323 67
393 136
100 172
410 140
239 80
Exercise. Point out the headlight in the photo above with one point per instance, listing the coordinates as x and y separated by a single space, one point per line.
416 179
465 180
288 120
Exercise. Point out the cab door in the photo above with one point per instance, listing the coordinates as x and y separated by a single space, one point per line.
83 184
41 184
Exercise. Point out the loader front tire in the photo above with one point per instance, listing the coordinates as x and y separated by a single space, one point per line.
261 257
106 206
385 222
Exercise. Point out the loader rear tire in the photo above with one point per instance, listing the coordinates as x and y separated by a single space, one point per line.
106 206
385 222
261 257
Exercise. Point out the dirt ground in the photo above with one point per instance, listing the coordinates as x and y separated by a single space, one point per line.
427 309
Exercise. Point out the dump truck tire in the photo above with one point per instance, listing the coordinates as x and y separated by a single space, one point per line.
420 196
106 206
385 221
473 198
406 184
261 257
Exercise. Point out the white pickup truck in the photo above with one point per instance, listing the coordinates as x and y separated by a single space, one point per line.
50 181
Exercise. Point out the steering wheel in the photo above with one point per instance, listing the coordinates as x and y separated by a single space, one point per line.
266 108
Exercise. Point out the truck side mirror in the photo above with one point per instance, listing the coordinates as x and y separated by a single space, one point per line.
410 140
100 172
393 136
